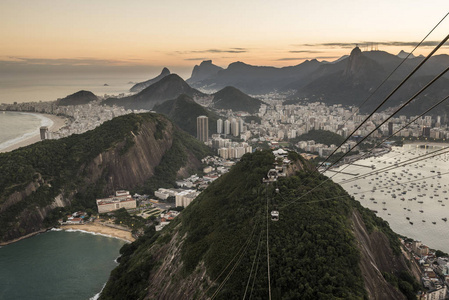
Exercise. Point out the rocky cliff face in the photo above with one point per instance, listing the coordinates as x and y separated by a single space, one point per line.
377 257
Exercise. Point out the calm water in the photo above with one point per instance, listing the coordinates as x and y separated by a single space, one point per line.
57 265
405 193
50 88
16 126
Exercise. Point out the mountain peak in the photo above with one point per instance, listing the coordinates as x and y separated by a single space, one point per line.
205 70
143 85
356 52
404 54
358 64
165 71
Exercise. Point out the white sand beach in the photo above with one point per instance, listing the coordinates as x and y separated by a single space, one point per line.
57 123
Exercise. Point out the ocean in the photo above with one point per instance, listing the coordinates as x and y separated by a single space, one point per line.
412 203
57 265
17 126
44 85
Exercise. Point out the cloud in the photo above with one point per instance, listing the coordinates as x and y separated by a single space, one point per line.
368 43
305 51
196 58
304 58
82 61
230 50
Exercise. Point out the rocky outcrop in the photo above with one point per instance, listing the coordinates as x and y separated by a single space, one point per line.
131 169
377 257
203 71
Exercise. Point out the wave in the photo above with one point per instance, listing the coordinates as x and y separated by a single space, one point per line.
56 229
94 233
97 296
44 121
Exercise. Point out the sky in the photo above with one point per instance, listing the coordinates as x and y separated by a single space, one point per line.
60 35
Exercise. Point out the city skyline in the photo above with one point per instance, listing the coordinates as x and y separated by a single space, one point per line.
143 34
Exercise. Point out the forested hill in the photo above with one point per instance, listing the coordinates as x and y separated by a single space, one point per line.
131 151
184 111
324 246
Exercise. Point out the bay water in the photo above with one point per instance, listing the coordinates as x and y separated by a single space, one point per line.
57 265
413 199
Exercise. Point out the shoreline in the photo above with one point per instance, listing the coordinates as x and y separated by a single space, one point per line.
99 229
23 237
91 228
57 123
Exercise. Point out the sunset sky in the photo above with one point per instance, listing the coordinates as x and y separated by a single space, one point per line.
181 34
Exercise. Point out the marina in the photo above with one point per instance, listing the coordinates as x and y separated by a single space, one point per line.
412 197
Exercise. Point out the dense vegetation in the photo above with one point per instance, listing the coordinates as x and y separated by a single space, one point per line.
175 158
320 136
184 111
59 166
232 98
313 252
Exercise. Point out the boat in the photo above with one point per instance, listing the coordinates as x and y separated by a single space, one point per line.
434 223
444 219
411 223
407 218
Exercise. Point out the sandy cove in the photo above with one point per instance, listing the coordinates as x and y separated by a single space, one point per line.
58 123
98 228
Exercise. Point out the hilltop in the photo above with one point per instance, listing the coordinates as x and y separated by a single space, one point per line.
141 152
167 88
324 246
184 111
232 98
78 98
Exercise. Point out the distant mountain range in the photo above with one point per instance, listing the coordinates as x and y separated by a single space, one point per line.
172 86
348 80
251 79
169 87
353 80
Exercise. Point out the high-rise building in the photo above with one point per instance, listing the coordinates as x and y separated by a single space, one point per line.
202 128
227 127
220 126
44 132
235 127
390 128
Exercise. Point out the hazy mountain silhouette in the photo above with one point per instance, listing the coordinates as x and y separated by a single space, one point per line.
169 87
232 98
78 98
143 85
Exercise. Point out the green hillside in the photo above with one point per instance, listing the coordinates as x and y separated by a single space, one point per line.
184 111
66 167
313 250
232 98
